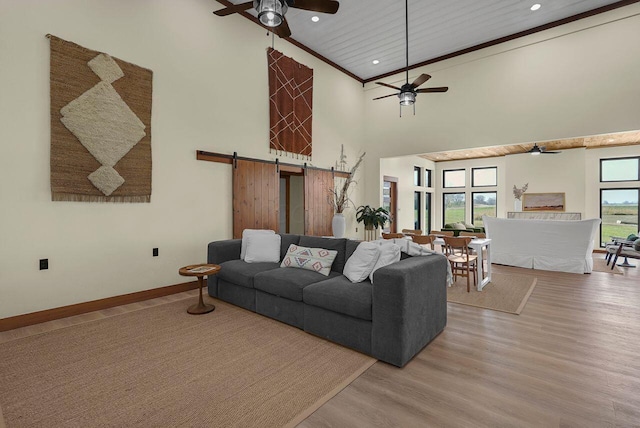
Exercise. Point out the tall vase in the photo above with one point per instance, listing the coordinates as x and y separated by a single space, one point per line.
338 225
517 205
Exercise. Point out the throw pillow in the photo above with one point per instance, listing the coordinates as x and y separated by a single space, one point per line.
315 259
468 225
361 263
636 244
389 253
459 226
262 247
248 232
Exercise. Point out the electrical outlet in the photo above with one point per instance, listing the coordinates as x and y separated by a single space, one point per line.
44 264
155 252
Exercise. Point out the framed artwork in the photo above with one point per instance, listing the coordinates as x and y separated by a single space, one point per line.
543 202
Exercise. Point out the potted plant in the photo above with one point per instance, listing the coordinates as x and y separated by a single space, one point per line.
373 218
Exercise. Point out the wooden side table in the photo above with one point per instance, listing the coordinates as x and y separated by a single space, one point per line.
200 270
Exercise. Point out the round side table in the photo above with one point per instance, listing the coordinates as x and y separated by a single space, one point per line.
200 270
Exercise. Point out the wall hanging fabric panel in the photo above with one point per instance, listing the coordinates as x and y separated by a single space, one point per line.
100 126
291 105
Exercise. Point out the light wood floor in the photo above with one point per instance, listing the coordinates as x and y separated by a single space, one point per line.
571 359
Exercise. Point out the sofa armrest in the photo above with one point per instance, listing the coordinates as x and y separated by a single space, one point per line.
409 307
222 251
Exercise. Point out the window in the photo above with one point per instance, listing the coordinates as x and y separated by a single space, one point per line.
619 213
483 204
427 212
454 178
484 177
417 176
621 169
417 210
427 177
453 207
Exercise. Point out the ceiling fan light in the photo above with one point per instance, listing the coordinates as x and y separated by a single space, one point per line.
271 12
535 153
407 98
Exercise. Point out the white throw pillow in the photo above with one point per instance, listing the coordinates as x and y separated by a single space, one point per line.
263 247
361 262
389 253
248 232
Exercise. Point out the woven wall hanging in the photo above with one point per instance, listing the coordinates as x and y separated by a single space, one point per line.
291 105
100 126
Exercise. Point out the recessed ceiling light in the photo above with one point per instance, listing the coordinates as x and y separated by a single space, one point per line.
535 6
375 61
315 18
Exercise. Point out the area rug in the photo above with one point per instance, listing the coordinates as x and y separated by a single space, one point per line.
505 293
600 265
163 367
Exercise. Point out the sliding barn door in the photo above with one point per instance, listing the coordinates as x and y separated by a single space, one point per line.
256 196
318 212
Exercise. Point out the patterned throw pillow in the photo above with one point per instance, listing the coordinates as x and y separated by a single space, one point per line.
315 259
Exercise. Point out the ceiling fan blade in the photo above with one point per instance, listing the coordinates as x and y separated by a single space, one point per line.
439 89
324 6
388 86
549 153
420 80
283 30
234 9
386 96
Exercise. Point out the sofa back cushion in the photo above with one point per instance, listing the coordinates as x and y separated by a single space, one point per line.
286 240
330 244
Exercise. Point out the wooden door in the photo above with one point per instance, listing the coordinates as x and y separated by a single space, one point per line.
256 196
318 212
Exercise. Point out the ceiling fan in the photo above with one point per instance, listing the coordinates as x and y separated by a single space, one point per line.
540 150
409 91
271 12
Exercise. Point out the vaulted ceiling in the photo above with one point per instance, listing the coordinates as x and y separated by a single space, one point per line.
366 30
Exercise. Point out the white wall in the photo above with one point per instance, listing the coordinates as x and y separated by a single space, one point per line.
402 169
579 79
210 92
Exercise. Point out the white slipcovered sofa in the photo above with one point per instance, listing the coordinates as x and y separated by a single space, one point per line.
556 245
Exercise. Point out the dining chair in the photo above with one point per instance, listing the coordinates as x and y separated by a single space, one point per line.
411 232
479 235
463 263
442 232
424 240
392 235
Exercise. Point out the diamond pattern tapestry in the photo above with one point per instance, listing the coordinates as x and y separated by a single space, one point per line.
100 126
291 102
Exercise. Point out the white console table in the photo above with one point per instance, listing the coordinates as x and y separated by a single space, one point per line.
544 215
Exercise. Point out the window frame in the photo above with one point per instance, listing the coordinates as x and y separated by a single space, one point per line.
620 158
417 222
604 189
495 192
444 173
417 174
428 174
444 205
473 178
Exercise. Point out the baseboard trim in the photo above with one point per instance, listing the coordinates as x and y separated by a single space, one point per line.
94 305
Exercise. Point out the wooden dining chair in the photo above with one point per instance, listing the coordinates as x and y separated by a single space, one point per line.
463 263
424 240
442 232
478 235
411 232
392 235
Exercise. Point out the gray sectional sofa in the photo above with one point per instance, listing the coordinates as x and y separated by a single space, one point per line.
391 320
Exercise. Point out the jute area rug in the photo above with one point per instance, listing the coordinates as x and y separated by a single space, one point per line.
600 265
505 293
162 367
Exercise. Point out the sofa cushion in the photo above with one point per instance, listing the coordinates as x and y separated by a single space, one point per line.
330 244
286 240
288 283
242 273
341 295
